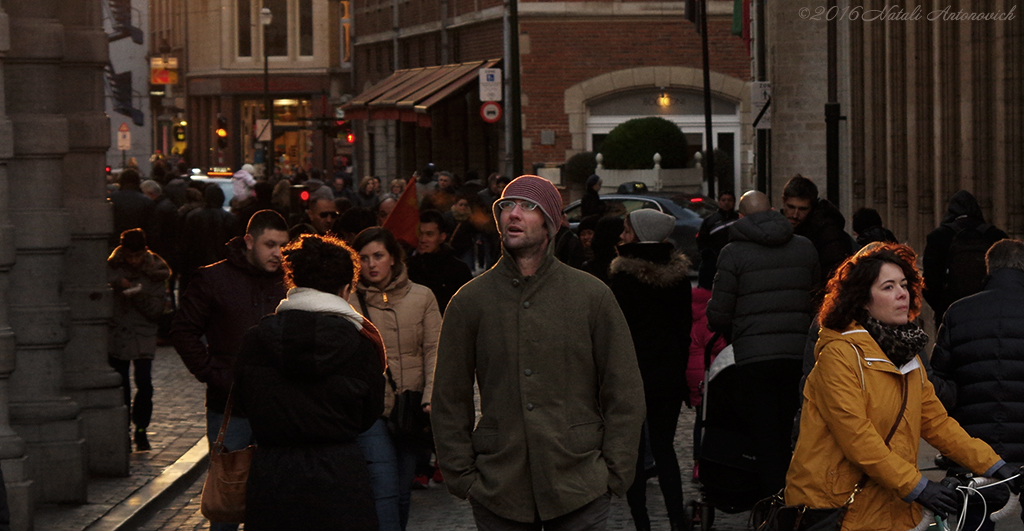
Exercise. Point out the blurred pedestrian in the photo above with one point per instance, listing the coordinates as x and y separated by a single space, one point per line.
607 234
867 225
714 232
132 209
817 220
205 232
310 378
434 264
591 204
408 319
138 277
650 283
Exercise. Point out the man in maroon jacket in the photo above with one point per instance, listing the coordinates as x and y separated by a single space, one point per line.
222 301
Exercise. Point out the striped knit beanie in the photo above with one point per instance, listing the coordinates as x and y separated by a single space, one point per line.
537 190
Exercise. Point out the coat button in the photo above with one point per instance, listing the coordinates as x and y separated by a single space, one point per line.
526 304
515 283
529 407
528 372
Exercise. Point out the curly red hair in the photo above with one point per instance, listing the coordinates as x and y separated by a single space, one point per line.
849 289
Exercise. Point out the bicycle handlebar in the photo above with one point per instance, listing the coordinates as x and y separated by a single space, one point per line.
927 516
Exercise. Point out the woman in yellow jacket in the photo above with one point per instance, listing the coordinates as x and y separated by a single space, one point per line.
866 366
409 321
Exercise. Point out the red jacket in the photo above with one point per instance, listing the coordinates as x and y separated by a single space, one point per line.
699 338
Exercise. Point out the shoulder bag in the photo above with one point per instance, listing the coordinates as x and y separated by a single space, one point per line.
772 513
223 498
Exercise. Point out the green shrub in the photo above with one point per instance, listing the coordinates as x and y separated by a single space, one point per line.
632 145
579 166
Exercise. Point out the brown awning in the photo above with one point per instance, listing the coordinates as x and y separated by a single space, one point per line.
407 95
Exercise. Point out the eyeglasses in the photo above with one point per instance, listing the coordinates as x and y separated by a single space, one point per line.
509 204
325 215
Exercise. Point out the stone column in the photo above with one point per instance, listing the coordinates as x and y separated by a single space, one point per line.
88 378
40 412
12 447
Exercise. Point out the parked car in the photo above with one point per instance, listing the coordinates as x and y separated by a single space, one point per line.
684 237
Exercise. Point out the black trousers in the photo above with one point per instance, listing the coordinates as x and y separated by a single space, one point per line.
769 395
142 410
662 418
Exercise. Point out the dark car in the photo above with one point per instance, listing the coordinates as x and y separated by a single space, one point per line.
684 237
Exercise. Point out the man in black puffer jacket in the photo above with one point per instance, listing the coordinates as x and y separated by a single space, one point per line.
762 300
821 222
978 361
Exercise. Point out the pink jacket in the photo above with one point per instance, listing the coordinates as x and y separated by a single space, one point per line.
699 338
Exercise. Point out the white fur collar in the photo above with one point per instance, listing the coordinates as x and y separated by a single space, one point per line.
311 300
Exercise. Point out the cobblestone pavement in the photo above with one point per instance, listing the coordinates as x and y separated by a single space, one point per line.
178 423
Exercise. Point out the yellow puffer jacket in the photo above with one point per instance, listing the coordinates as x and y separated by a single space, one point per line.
851 400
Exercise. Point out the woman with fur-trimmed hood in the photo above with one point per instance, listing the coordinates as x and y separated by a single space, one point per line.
649 279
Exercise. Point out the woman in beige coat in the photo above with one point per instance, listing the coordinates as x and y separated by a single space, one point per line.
409 321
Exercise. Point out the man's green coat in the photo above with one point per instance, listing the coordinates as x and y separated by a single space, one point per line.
561 397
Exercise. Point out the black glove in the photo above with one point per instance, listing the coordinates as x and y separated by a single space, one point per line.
1006 472
938 498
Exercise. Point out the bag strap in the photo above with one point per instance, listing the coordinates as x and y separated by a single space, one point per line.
892 431
227 416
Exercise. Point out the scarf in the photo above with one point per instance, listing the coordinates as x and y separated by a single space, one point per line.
899 342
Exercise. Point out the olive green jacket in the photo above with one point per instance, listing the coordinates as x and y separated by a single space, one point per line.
561 397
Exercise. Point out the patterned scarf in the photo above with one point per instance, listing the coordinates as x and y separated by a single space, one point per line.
899 342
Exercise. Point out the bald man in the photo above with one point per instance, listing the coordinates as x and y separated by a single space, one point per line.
762 300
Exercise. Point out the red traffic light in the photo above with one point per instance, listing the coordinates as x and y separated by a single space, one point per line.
304 195
108 170
350 138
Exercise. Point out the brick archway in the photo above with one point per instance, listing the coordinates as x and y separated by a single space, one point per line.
577 96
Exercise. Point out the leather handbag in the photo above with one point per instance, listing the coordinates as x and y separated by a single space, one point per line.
408 421
772 513
223 498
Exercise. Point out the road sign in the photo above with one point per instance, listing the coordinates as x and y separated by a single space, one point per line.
490 112
124 137
490 84
760 98
163 76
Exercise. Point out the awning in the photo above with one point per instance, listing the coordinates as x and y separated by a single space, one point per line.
407 95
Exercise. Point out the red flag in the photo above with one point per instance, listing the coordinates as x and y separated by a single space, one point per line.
404 219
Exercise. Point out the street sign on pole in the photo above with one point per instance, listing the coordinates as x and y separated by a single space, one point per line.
760 96
490 84
490 112
124 137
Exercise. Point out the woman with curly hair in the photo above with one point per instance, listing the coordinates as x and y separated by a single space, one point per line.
868 401
311 378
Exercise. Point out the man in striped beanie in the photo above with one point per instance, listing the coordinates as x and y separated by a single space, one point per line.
561 399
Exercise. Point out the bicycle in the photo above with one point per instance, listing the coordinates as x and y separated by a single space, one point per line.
967 486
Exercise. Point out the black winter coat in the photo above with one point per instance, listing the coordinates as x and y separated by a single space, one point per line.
221 302
310 382
824 227
650 283
442 272
132 210
963 211
762 292
205 232
978 363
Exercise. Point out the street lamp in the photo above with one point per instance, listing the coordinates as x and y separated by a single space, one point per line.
266 17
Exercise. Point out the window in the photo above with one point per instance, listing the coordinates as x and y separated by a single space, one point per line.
277 32
306 27
244 28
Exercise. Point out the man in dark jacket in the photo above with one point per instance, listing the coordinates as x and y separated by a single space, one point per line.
714 232
434 263
963 221
132 209
222 301
978 362
205 232
560 393
762 300
817 220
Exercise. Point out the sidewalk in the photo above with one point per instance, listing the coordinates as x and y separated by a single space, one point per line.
179 423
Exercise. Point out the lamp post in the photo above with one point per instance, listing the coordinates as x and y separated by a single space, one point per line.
266 17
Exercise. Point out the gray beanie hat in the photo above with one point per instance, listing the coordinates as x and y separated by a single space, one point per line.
649 225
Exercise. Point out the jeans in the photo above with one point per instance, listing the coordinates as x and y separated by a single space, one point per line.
237 436
392 467
142 410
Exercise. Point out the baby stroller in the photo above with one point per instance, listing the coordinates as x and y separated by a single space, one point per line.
727 457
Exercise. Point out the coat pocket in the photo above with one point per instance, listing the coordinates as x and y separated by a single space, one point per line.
844 478
585 437
485 440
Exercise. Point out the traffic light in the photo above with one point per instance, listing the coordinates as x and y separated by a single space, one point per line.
179 133
345 132
222 132
299 198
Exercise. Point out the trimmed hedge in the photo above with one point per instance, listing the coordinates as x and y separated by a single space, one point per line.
632 145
